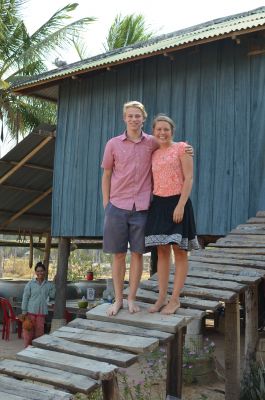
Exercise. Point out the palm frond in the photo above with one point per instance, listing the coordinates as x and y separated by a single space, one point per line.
127 30
81 48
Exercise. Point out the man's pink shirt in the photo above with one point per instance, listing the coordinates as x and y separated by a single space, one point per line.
130 162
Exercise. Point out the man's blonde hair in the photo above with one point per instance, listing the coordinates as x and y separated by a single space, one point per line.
135 104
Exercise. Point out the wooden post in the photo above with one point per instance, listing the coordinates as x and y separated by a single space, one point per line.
153 262
174 365
47 253
61 279
110 389
232 350
251 331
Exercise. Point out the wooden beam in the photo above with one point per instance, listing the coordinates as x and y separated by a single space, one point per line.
47 253
21 189
251 330
110 389
232 351
174 365
33 166
61 279
27 207
25 159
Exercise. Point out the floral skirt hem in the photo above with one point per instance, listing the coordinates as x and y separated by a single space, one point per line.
183 243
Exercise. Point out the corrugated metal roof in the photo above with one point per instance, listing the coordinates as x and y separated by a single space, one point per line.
27 184
197 34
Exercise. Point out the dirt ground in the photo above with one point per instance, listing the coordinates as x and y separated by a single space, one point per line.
210 391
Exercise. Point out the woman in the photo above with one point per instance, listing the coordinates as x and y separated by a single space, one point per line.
34 304
170 219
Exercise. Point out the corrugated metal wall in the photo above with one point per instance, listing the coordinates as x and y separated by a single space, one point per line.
215 94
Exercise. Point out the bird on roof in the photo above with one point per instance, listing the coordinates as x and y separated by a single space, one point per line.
59 63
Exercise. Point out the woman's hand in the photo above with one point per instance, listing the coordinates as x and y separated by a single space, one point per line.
178 213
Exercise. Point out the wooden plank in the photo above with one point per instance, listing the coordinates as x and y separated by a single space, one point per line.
256 220
142 319
250 229
52 342
207 293
228 253
212 283
236 241
224 276
67 362
135 344
221 275
200 304
245 238
232 351
230 261
238 248
246 245
11 388
111 327
228 268
251 330
66 380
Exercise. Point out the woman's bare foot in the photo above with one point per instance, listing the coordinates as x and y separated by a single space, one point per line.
133 308
115 308
157 306
171 307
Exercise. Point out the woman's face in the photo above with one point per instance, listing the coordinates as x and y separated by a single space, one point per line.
163 133
40 274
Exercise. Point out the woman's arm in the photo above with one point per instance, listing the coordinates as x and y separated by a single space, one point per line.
25 298
106 179
187 168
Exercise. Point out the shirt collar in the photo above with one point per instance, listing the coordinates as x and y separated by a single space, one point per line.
124 136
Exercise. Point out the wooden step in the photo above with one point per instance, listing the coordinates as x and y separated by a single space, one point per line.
66 380
56 343
134 344
142 319
101 326
192 302
67 362
13 389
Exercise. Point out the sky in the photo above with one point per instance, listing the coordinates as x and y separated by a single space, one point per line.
167 16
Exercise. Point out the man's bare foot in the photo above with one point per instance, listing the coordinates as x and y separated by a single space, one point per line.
133 308
171 307
115 308
157 306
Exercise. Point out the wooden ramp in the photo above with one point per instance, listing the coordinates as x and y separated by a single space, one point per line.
87 353
225 271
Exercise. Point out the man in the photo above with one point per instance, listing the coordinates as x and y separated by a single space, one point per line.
126 189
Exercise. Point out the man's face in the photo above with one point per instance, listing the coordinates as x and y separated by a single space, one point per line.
133 118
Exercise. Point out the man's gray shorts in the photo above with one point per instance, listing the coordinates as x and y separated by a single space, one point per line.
123 226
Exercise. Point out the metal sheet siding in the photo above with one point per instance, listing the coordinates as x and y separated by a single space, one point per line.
215 95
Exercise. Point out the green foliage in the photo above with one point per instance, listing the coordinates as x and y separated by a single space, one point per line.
153 373
253 383
192 357
126 31
22 55
81 261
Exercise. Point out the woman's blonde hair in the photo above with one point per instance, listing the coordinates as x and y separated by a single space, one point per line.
135 104
165 118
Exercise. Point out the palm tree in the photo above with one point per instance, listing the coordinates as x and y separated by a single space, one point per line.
127 30
22 54
123 31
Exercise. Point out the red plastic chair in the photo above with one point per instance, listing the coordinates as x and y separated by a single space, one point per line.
9 318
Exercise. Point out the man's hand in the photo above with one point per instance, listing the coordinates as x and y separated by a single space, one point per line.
189 150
